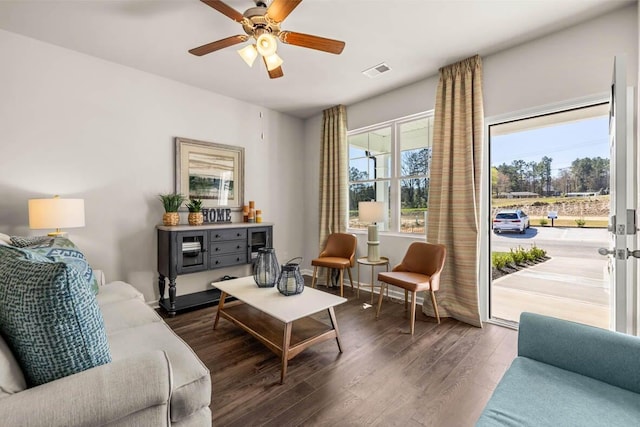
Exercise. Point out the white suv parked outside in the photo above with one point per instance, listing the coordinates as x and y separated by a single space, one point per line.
511 220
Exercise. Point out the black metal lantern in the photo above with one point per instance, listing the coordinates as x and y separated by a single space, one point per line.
291 281
266 269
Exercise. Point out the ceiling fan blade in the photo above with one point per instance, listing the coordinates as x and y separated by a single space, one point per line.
225 9
217 45
312 42
275 73
278 10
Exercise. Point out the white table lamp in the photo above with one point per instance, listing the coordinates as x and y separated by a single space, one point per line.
372 213
56 213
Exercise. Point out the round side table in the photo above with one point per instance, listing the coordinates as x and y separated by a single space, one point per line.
364 261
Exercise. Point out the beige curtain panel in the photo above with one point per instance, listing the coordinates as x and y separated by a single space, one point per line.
454 190
334 178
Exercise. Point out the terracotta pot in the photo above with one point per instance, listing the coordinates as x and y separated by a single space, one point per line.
196 218
171 218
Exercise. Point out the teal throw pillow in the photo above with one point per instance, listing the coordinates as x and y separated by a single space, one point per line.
24 241
64 250
49 317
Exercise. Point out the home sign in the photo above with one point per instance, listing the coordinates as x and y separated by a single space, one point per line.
216 215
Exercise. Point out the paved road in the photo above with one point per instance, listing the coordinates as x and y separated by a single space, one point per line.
572 285
558 241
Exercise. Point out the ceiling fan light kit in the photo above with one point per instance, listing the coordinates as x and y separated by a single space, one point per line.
262 23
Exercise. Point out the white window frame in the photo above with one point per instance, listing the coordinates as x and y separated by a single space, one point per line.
394 179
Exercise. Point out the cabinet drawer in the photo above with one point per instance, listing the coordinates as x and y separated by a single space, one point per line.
228 234
227 260
221 248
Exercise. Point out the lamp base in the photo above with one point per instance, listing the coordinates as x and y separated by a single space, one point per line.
57 233
373 250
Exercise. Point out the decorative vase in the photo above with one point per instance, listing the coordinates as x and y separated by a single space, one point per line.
171 218
266 269
291 281
196 218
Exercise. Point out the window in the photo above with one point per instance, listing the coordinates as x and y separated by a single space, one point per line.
390 163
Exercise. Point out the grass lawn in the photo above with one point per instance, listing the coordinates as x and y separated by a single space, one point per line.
571 222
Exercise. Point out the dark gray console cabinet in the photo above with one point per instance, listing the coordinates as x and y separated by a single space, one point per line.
187 249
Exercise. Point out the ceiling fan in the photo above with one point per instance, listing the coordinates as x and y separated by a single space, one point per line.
262 24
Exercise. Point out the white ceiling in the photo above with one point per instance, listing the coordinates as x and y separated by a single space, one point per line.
414 37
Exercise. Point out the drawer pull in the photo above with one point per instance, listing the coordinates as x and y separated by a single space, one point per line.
217 262
217 236
217 249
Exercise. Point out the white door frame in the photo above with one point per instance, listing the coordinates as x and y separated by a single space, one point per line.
623 177
484 241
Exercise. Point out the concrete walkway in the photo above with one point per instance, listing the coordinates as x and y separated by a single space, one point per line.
575 289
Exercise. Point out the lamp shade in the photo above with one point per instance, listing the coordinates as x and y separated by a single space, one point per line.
273 61
248 54
371 212
266 44
56 213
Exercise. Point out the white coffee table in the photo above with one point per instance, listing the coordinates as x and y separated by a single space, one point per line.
271 317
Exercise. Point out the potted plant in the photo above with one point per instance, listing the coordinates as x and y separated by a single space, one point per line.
195 212
172 203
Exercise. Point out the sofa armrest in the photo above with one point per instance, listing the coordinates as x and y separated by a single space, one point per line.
136 388
604 355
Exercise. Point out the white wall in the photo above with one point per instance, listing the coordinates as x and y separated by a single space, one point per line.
573 63
82 127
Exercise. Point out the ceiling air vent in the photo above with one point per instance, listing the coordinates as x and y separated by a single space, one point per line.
375 71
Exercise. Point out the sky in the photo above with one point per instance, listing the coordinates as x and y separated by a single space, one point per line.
563 143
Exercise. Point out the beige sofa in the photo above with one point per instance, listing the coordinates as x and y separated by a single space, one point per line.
155 378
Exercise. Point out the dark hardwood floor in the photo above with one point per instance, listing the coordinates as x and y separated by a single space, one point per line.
442 376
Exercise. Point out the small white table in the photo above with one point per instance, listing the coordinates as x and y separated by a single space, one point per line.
283 314
364 261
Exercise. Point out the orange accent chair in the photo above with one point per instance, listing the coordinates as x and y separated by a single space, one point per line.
339 253
419 271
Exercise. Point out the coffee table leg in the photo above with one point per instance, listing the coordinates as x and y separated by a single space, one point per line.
223 296
285 350
334 323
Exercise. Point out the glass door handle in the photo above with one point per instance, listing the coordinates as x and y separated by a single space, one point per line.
621 254
605 251
635 254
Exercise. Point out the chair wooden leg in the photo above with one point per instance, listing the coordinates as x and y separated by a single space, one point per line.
406 292
413 311
313 279
341 281
382 284
435 305
328 278
351 280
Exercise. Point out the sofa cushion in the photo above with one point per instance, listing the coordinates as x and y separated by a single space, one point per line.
116 292
11 377
192 383
64 250
49 317
127 314
532 393
5 239
583 349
